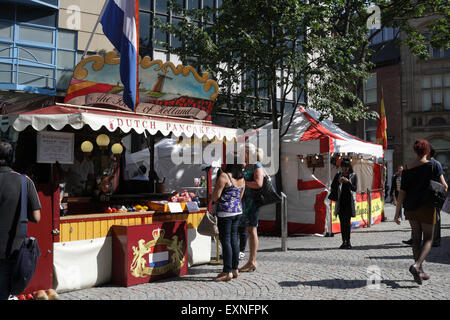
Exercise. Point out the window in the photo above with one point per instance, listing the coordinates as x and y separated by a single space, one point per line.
436 92
370 130
66 57
384 35
370 89
28 49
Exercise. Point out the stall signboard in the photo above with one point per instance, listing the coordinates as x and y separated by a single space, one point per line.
362 211
149 252
164 89
55 146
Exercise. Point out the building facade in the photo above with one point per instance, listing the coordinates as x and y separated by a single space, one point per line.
426 100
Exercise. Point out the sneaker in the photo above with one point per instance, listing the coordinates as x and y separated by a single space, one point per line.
241 255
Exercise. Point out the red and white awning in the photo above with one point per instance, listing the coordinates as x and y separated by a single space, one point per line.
322 136
58 116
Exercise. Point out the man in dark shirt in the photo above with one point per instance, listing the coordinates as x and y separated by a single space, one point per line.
10 194
439 178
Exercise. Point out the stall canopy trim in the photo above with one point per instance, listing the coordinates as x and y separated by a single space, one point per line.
58 116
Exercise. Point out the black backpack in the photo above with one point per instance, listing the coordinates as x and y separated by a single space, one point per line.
26 258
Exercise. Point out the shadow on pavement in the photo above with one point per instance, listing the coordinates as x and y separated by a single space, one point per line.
345 284
354 247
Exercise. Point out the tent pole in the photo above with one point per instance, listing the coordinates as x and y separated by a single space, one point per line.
329 215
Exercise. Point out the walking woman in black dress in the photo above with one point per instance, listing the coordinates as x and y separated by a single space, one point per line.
418 210
344 185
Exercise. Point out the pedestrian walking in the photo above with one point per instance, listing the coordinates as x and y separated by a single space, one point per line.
419 212
344 186
254 178
10 199
395 186
228 192
439 177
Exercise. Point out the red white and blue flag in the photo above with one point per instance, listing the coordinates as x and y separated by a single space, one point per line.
158 256
120 21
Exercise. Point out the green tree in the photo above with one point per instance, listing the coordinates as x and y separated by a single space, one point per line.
272 48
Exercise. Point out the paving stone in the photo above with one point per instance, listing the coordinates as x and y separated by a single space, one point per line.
313 268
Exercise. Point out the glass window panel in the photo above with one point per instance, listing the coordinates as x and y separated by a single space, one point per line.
145 5
192 4
144 30
175 59
426 82
371 82
38 16
436 53
371 96
66 59
4 51
161 6
159 34
437 81
158 55
437 96
175 41
447 80
447 99
67 39
63 78
5 73
35 34
36 55
209 4
38 77
426 101
6 30
447 53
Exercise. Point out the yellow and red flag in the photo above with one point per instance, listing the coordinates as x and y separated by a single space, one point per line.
382 126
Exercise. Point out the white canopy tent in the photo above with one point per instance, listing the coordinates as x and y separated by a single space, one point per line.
307 187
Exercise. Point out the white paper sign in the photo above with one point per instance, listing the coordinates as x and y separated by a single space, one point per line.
175 207
55 146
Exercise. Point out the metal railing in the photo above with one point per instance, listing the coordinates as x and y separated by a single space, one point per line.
17 62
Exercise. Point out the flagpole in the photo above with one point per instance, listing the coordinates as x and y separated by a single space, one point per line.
93 31
137 58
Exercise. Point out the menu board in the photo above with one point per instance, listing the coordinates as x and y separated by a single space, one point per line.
55 146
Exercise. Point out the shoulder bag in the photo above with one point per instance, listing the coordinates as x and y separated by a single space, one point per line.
26 258
267 194
436 194
208 225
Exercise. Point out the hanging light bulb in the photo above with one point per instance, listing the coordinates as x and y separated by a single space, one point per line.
102 140
87 146
116 148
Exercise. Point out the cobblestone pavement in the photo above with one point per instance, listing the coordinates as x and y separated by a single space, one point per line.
313 268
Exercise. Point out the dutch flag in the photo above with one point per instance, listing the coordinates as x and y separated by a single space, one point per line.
120 26
158 256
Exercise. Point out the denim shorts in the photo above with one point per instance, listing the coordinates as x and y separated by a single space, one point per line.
251 215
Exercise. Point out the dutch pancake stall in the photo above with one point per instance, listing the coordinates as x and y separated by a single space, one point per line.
101 223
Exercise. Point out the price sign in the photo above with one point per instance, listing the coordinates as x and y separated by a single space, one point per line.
175 207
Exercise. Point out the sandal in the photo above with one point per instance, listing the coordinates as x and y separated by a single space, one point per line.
248 268
415 274
223 277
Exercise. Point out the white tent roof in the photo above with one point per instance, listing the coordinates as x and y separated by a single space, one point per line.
323 136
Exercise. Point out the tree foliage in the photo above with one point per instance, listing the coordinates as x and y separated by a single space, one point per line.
320 47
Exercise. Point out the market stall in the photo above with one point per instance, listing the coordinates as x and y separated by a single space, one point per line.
311 151
76 236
